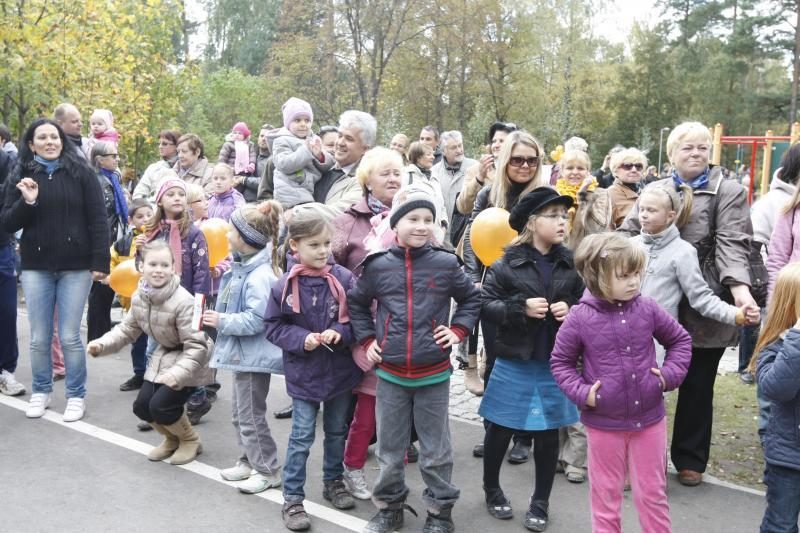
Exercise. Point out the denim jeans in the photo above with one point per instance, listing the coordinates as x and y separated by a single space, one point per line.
139 355
748 336
304 421
65 291
783 499
9 352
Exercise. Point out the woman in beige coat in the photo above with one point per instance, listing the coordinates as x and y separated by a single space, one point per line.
163 310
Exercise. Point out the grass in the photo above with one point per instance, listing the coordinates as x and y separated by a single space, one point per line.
736 454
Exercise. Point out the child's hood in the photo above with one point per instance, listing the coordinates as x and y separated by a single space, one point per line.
279 132
602 305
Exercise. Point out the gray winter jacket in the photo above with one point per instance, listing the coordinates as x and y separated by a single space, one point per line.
296 168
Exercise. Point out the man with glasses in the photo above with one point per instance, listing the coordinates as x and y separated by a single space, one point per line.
168 153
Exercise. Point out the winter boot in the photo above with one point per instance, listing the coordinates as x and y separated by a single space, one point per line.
189 445
439 523
388 519
472 382
166 448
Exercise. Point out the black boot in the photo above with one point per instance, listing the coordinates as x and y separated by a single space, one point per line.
520 452
439 523
388 519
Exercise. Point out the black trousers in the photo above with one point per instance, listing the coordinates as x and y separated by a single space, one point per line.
691 432
98 316
159 403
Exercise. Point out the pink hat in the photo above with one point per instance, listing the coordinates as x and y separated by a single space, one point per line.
169 184
294 108
104 115
241 127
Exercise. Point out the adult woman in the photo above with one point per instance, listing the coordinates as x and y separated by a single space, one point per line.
626 167
104 159
56 200
719 227
192 165
399 144
420 157
518 172
168 153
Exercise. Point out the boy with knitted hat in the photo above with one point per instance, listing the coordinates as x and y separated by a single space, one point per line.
238 152
297 155
410 340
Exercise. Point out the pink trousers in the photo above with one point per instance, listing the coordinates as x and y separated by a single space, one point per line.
362 428
644 455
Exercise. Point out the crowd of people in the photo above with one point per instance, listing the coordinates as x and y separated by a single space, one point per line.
354 270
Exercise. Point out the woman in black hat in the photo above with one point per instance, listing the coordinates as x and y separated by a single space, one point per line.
526 295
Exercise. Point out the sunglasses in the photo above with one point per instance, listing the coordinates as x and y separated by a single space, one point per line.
517 161
629 166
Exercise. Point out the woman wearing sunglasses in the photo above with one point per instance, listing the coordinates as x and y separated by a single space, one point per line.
626 167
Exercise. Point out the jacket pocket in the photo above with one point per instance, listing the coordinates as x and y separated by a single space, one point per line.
611 400
651 392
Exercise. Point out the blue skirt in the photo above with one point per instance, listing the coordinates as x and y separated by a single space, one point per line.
523 395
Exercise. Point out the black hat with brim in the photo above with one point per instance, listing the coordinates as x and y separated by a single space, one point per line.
535 201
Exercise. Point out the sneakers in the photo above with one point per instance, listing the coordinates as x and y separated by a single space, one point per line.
412 454
520 453
477 450
356 484
76 408
239 472
286 412
336 493
295 517
388 519
259 482
37 404
144 426
9 384
195 413
747 378
135 383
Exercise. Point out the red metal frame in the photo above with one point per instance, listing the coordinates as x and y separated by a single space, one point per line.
755 142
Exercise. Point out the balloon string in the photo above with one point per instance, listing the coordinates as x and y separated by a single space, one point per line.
483 276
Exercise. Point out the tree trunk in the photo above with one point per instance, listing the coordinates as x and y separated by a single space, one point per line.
796 64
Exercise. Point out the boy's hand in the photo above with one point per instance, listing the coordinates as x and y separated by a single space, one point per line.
591 400
374 353
559 310
330 336
211 318
445 337
94 348
312 342
536 307
657 372
140 241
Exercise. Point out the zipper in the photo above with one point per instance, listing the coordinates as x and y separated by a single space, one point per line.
409 309
386 330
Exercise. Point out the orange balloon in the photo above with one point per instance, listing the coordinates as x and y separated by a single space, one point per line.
216 233
490 233
125 278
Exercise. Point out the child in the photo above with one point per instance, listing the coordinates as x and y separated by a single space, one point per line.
777 355
241 344
101 128
225 198
298 155
620 387
672 269
139 215
307 317
528 293
163 310
238 152
198 203
410 342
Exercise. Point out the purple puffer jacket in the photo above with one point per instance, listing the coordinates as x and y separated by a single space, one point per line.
223 205
615 341
195 273
321 374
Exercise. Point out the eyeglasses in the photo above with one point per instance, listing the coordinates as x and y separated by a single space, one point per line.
554 216
517 161
328 129
115 156
629 166
166 143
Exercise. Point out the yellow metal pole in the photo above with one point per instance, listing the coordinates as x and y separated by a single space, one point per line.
716 154
766 164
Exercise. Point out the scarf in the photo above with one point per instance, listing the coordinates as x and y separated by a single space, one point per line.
337 291
565 188
173 231
50 166
376 206
426 172
380 236
451 168
120 203
242 160
699 182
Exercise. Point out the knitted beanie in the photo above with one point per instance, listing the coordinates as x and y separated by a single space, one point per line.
169 184
104 115
294 108
414 200
241 127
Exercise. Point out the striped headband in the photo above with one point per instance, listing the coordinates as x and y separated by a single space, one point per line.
250 235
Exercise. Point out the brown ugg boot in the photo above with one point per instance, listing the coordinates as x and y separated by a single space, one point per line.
472 382
165 449
189 445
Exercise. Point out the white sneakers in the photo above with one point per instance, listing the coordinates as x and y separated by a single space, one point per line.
37 404
356 484
9 384
259 482
239 472
76 407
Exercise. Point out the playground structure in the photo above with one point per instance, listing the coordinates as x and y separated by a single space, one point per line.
769 142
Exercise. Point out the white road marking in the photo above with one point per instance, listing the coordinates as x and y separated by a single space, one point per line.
273 495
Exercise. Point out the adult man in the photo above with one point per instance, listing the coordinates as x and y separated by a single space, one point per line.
9 351
449 172
69 118
338 187
264 167
430 136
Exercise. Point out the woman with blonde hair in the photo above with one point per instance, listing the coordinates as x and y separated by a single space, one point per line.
626 167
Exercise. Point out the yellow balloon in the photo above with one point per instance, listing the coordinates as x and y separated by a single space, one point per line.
216 233
490 233
124 278
560 148
555 155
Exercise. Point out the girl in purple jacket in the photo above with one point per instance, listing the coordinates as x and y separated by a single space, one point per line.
225 199
620 387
